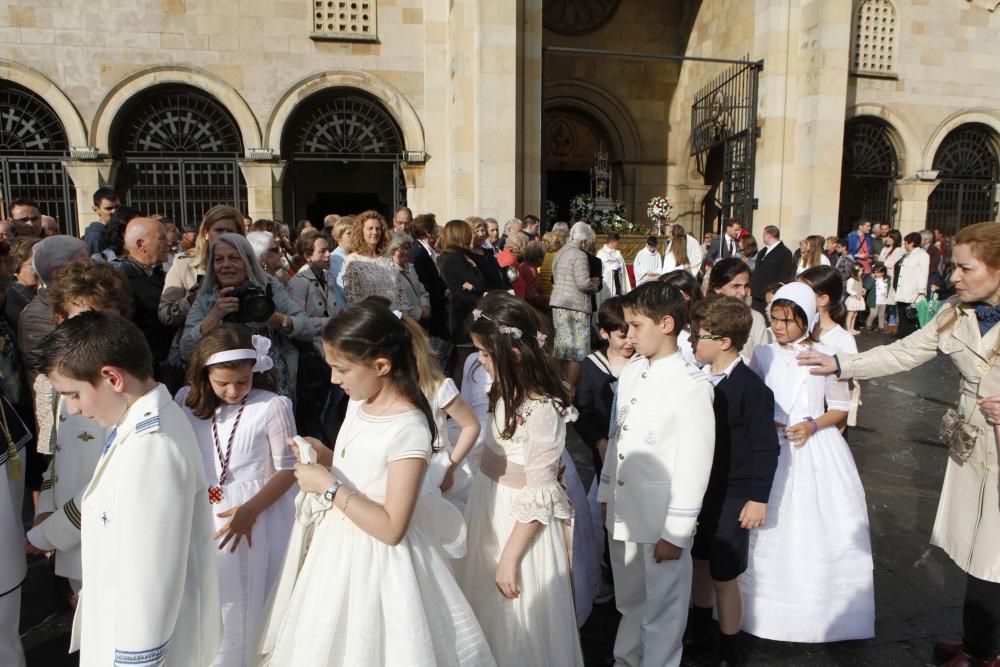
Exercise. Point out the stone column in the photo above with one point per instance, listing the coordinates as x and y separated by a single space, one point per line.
264 193
88 176
416 193
913 195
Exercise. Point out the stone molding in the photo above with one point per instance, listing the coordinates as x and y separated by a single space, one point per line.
988 117
72 123
904 139
603 107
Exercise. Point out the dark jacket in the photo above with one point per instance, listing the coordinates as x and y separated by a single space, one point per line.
18 297
746 442
495 277
595 391
718 250
458 268
95 238
430 278
777 266
34 325
146 288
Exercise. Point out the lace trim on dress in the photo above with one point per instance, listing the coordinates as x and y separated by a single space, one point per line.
542 504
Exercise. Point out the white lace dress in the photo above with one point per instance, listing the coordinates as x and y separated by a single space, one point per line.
346 599
363 277
260 448
539 626
810 570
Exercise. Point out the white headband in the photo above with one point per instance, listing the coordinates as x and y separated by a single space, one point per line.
262 362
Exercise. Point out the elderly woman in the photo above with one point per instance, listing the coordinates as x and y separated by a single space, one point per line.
967 525
25 284
268 253
366 272
231 265
509 260
418 301
180 287
310 289
570 300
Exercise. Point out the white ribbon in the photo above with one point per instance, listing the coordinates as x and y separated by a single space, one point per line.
262 362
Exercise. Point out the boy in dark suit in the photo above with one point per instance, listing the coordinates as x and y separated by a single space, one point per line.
746 455
775 264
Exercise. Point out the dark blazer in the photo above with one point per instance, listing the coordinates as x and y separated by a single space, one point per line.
458 268
595 392
146 289
495 277
746 441
777 266
430 278
714 249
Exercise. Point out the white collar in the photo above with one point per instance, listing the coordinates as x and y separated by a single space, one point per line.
772 245
716 378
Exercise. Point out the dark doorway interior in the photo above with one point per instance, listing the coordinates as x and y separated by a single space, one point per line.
319 188
562 186
711 205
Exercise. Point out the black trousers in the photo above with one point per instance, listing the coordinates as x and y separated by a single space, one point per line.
904 325
981 618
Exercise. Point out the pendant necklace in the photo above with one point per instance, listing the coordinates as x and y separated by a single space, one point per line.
215 492
343 450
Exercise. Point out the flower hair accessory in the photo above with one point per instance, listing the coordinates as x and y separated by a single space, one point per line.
513 332
398 314
262 362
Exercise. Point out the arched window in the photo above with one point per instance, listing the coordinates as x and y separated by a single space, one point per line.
179 149
33 144
344 151
969 170
874 45
868 176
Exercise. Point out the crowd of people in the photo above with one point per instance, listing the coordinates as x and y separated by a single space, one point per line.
345 443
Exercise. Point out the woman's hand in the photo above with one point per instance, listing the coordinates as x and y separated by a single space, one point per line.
990 407
240 526
822 364
224 306
313 478
506 578
798 434
324 455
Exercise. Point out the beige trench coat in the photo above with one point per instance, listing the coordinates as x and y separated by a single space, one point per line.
967 525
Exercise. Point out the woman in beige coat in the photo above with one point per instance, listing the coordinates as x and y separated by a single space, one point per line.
967 525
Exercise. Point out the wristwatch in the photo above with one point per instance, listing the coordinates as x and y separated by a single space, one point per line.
330 493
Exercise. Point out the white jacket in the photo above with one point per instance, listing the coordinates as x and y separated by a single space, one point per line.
660 453
646 262
913 273
612 260
151 583
76 449
695 256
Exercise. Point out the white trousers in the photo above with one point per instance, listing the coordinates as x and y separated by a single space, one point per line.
653 600
11 651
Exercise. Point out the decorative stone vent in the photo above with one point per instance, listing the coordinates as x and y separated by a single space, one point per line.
344 20
874 48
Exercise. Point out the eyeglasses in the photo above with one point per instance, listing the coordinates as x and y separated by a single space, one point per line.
707 337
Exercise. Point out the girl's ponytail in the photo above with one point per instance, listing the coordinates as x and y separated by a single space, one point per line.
428 372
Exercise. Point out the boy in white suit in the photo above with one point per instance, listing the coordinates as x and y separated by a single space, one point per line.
654 478
151 590
14 443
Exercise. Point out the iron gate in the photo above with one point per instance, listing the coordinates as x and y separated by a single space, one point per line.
869 172
969 169
183 188
724 118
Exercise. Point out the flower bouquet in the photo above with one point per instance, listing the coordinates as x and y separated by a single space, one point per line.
658 211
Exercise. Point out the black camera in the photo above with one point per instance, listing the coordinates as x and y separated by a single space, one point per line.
256 303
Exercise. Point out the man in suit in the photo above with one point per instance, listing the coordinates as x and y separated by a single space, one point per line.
726 245
424 260
775 264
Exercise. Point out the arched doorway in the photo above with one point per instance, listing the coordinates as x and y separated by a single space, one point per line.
33 144
868 175
344 152
179 149
571 141
969 170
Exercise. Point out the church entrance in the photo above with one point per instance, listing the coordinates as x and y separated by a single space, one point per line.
572 139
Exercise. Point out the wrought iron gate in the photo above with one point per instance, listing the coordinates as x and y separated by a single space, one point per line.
969 169
869 172
724 117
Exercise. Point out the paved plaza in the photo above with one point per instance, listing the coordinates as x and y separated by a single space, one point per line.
918 590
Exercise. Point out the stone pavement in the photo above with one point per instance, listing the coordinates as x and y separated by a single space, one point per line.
918 589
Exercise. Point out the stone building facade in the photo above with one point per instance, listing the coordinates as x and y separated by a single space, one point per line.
875 109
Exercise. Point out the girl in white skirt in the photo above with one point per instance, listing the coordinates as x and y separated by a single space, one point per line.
363 583
810 573
517 570
243 432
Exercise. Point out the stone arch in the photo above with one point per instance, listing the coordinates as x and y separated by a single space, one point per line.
226 95
987 117
903 139
391 98
603 107
72 123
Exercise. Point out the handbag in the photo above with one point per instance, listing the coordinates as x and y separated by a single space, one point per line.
958 434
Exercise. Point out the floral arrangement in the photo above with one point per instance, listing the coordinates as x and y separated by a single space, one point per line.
658 211
551 213
581 207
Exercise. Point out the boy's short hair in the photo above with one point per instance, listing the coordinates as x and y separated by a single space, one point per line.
82 345
652 241
657 300
98 283
611 316
724 316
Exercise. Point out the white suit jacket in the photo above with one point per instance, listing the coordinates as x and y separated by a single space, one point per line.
660 452
76 449
914 270
151 589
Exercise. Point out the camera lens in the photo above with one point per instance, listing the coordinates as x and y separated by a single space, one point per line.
258 308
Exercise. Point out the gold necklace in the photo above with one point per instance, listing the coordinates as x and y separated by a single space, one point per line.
353 437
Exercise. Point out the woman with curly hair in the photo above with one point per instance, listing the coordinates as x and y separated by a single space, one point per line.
366 271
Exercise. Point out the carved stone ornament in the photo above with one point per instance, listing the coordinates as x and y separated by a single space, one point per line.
576 17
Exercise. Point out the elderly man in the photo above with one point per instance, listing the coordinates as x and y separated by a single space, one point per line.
147 248
330 221
26 217
402 221
532 226
512 226
36 318
106 202
50 226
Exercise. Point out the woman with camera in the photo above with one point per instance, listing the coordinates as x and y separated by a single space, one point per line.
236 289
967 525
